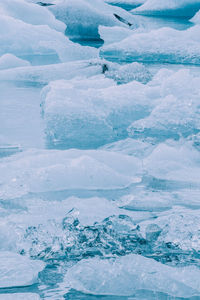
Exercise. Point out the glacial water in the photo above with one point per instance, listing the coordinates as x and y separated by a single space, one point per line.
99 154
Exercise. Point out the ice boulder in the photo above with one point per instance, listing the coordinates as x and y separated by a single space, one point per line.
164 45
9 61
176 115
17 270
83 17
170 8
85 116
127 275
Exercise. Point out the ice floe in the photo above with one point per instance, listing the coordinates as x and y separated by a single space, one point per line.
17 270
83 17
126 275
170 8
164 45
45 171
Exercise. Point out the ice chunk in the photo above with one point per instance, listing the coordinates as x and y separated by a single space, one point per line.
126 275
65 229
130 146
170 8
47 170
180 229
17 270
179 162
113 34
88 118
170 119
8 61
148 201
19 296
176 115
130 72
30 13
38 40
163 45
83 17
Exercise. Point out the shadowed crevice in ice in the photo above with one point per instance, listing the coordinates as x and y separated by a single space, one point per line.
45 4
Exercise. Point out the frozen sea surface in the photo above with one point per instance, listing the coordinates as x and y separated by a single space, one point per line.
99 149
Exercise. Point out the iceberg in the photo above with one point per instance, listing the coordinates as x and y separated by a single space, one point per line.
170 8
17 270
127 275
